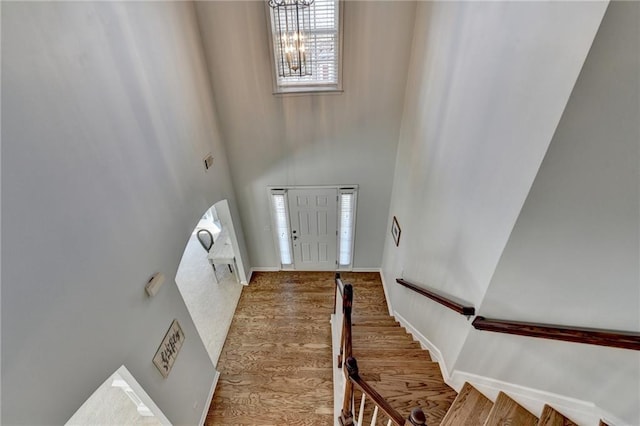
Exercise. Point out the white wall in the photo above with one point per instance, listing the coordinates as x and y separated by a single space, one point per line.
573 255
106 116
349 138
487 85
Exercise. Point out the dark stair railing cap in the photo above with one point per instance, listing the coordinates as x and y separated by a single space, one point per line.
448 301
591 336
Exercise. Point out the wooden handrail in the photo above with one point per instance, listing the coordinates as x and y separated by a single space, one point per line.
591 336
346 414
354 376
448 301
417 416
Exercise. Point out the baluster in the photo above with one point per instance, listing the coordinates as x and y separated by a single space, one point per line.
361 412
389 423
375 416
416 418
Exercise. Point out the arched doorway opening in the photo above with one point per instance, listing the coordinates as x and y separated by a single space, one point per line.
211 295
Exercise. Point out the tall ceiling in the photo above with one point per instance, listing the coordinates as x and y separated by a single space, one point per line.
310 139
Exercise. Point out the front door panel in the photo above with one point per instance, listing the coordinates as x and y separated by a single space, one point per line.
313 216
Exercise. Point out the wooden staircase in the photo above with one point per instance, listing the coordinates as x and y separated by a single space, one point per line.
404 374
392 362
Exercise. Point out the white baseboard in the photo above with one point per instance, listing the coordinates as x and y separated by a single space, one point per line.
365 269
386 293
263 269
248 277
581 412
436 355
207 403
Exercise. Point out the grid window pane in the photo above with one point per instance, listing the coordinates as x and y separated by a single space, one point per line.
316 64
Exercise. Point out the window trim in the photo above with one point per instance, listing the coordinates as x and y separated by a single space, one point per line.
274 220
310 88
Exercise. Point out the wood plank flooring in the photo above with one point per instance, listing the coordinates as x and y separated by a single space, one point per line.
551 417
470 408
507 412
275 367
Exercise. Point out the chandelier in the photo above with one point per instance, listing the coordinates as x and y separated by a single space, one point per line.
291 22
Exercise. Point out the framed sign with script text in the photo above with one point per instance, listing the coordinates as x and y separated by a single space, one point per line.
169 348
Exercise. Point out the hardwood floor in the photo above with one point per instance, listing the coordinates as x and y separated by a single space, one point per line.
275 367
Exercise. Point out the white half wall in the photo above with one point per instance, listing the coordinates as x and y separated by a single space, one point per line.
106 116
487 85
320 139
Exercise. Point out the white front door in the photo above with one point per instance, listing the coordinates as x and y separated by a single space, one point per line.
313 216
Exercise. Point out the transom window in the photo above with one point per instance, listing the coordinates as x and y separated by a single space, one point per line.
306 45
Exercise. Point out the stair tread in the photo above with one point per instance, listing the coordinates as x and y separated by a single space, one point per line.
551 417
470 408
393 330
391 344
419 367
412 389
362 322
390 357
506 411
381 333
382 342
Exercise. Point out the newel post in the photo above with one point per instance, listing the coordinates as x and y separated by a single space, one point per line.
346 416
416 418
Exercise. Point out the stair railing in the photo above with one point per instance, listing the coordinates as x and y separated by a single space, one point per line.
450 302
592 336
416 418
344 305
